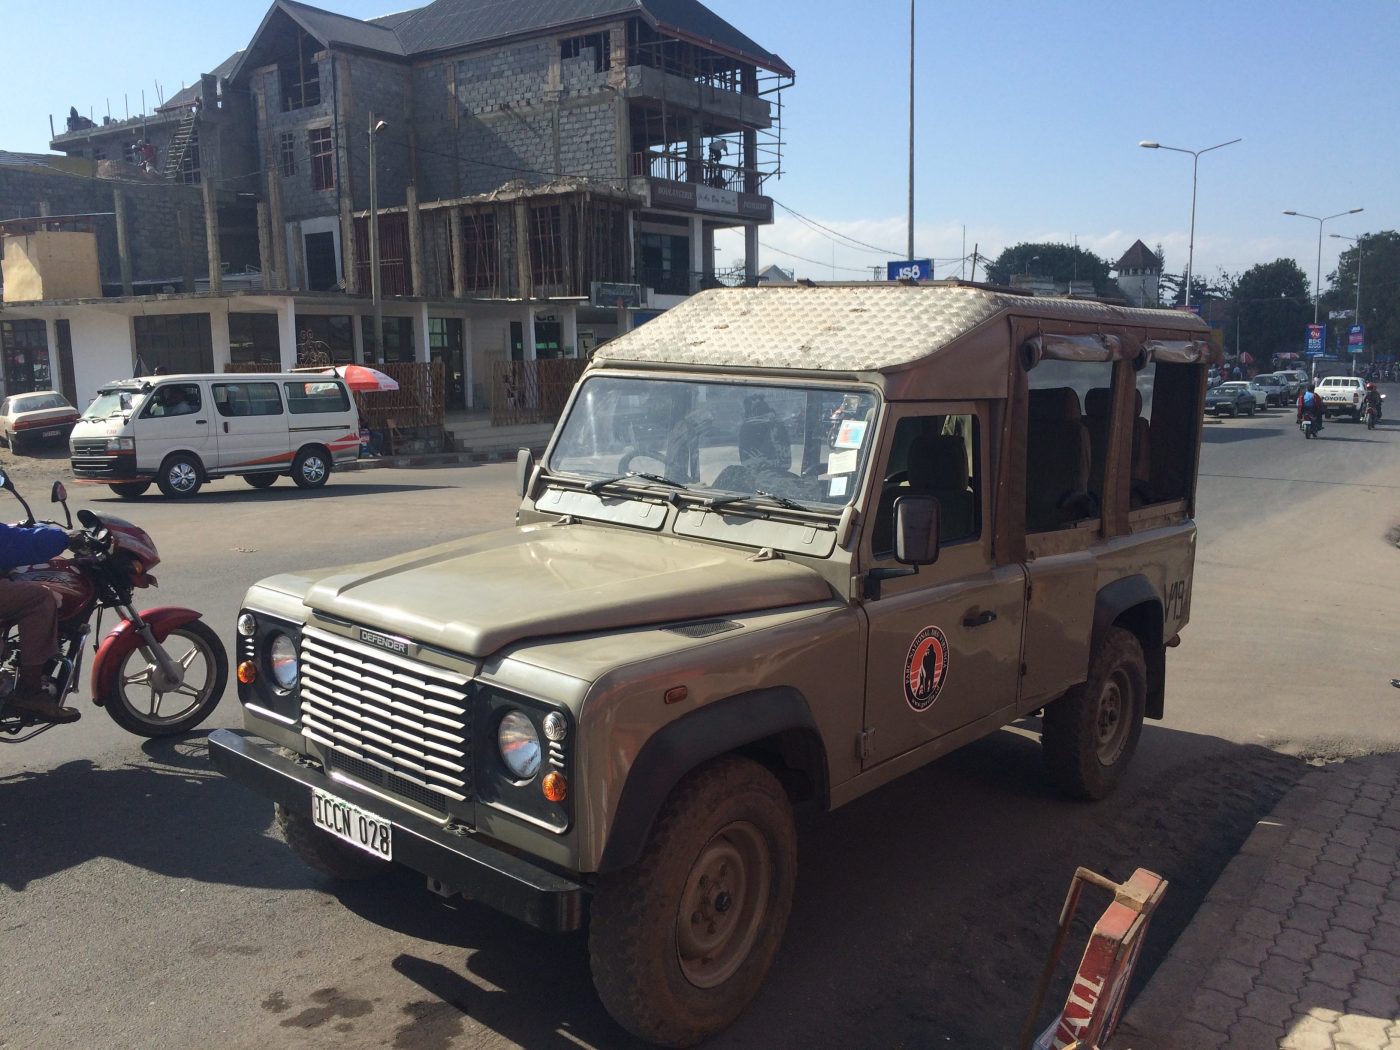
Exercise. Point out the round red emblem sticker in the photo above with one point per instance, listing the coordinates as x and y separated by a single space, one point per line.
925 668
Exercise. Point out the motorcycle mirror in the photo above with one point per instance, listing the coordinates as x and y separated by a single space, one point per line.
59 493
5 482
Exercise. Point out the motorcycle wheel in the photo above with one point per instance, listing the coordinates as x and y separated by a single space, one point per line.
138 708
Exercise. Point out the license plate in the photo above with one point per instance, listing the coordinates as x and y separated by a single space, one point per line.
351 824
52 433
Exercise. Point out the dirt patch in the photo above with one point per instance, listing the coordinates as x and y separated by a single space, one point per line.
34 473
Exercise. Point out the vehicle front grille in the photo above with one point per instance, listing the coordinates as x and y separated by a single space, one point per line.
377 711
90 448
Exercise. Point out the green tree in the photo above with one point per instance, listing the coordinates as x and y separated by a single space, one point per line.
1060 262
1274 309
1379 257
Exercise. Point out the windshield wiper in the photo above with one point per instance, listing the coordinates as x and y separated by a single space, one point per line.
724 501
602 483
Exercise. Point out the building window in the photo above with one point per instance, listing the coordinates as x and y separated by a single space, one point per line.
398 339
479 251
174 343
322 149
301 80
600 44
26 350
325 336
287 153
254 339
665 263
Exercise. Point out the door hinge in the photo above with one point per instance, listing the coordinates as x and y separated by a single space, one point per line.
865 744
1030 589
1023 670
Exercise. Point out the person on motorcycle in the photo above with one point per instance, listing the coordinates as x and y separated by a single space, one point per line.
1310 403
1373 399
34 609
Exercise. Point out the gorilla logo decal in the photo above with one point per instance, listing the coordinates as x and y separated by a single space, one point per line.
926 668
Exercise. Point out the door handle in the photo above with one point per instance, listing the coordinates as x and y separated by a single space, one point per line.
979 619
200 422
225 428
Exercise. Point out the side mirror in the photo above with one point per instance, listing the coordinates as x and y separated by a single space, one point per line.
60 494
524 467
916 530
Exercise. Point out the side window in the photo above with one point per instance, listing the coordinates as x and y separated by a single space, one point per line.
173 399
935 455
1164 434
1069 419
315 396
247 399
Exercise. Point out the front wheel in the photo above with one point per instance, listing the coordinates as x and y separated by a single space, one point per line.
179 476
681 941
1088 736
311 468
130 489
140 704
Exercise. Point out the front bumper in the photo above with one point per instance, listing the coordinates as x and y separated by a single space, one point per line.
484 873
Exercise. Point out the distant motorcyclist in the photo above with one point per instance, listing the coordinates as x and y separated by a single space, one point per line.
1310 404
1373 399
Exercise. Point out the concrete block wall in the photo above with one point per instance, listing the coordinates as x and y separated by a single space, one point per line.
386 90
299 199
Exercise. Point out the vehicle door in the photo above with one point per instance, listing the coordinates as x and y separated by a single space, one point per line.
173 417
319 410
945 640
252 426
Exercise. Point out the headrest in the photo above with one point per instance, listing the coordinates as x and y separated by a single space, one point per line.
1098 402
938 463
1055 403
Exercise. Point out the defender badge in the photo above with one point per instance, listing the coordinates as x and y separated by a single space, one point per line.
926 668
384 641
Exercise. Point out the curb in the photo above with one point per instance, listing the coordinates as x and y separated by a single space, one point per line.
1158 1010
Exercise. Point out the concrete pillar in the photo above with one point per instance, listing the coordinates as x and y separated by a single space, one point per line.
750 161
459 262
186 234
422 352
123 240
750 254
265 245
708 250
468 365
697 253
287 332
278 229
694 163
349 271
522 250
296 267
211 235
218 334
569 336
357 334
415 241
528 334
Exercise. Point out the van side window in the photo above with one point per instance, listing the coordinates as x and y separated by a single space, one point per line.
934 456
315 396
1067 426
173 399
247 399
1170 397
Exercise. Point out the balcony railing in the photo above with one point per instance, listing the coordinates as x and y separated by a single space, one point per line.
678 167
687 282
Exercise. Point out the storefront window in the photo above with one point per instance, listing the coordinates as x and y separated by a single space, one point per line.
174 343
398 339
325 335
26 350
254 339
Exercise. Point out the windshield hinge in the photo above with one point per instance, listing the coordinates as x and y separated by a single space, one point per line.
767 554
567 519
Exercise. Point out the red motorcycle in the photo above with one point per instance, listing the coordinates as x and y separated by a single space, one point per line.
158 673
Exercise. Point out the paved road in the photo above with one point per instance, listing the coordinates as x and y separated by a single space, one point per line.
145 901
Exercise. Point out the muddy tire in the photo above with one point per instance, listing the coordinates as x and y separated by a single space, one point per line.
1088 736
681 941
325 853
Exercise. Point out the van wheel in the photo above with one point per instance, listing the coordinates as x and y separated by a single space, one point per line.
680 942
324 853
130 489
260 481
1088 736
179 476
311 468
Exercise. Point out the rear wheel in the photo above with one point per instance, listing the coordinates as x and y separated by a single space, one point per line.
130 489
144 704
323 852
311 468
1089 735
179 476
680 942
18 445
260 481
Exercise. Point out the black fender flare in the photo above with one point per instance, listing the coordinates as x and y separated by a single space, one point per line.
674 750
1137 593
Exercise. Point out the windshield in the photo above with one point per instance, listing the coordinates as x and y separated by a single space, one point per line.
796 443
110 402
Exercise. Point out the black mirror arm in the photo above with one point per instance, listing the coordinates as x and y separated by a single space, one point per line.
875 577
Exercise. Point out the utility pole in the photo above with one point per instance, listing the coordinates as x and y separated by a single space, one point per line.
910 253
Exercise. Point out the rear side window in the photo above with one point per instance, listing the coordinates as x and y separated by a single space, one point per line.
247 399
315 396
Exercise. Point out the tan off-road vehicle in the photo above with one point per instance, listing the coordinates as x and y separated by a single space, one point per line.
785 545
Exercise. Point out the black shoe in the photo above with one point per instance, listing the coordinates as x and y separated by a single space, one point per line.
44 708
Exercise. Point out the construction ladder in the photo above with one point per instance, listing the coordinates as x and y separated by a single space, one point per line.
179 146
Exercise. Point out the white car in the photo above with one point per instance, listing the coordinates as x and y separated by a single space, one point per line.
1260 395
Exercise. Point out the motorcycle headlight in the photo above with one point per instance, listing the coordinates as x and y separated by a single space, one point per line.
282 659
519 745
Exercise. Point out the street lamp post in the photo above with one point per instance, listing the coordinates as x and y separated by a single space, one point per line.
1317 280
1195 160
1359 252
375 127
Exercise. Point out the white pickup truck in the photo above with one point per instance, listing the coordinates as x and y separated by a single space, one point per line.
1342 395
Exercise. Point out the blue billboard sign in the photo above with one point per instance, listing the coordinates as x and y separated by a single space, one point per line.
1356 339
910 270
1317 339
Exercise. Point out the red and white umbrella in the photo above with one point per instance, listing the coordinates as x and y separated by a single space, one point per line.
363 380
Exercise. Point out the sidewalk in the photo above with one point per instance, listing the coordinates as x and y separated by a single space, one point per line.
431 459
1298 944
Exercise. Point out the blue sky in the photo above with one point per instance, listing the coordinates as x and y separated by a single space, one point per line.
1028 117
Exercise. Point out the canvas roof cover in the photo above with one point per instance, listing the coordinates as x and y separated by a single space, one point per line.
849 328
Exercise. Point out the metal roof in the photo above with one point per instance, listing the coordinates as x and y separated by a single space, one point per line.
848 328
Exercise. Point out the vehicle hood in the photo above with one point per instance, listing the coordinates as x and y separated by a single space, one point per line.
479 595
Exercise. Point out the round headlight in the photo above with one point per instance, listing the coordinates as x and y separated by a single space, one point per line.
247 624
519 745
282 656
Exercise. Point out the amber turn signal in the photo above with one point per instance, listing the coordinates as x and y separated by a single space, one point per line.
555 787
247 672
